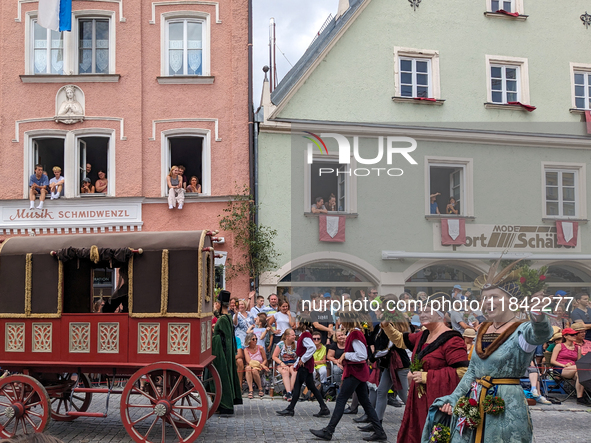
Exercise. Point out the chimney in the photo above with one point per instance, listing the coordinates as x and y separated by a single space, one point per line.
343 7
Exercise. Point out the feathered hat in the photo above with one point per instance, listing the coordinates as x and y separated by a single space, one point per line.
505 280
304 321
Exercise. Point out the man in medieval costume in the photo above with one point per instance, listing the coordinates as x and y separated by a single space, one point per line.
223 347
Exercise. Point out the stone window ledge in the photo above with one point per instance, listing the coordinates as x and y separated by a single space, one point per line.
83 78
520 17
437 102
186 80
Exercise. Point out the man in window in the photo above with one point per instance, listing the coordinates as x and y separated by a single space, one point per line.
38 184
319 207
434 206
90 174
56 184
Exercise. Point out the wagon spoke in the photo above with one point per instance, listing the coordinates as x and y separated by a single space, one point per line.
149 397
152 384
4 404
8 422
21 393
10 397
163 425
30 421
176 385
78 398
171 421
164 383
29 406
193 425
35 414
142 418
184 394
150 429
26 400
75 407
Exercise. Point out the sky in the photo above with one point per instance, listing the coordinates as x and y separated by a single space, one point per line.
297 22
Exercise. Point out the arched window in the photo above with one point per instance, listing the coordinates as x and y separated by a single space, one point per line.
568 278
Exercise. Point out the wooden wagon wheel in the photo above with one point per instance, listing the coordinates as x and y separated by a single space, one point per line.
213 384
24 406
63 400
158 411
210 377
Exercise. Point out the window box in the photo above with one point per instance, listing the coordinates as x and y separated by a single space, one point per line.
416 101
186 80
416 73
336 213
438 217
520 17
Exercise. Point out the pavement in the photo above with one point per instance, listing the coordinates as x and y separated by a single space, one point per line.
256 421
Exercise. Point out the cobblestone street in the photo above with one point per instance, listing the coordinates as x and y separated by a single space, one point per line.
256 421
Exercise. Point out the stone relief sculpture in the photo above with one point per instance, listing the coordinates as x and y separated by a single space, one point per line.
70 110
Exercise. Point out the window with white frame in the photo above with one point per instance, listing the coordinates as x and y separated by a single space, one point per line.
507 80
85 155
561 187
582 86
505 5
511 6
190 152
47 52
416 73
93 45
449 186
185 46
415 77
88 50
504 83
329 182
93 155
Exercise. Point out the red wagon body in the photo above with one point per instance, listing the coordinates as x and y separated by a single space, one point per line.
58 324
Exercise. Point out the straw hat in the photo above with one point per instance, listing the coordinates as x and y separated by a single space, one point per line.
557 333
469 332
579 326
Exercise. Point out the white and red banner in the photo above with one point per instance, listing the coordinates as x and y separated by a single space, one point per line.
331 228
567 233
453 231
588 121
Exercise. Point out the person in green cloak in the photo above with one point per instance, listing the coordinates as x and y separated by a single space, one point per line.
223 346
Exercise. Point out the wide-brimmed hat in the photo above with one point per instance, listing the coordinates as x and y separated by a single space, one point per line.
469 332
557 333
579 326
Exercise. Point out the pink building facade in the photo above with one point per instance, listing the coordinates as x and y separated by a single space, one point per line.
136 87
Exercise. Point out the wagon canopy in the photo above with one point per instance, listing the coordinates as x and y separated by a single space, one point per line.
172 276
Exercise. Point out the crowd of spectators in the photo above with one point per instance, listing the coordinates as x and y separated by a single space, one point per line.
267 341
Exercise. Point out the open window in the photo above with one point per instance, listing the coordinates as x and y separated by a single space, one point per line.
329 179
189 153
93 153
48 152
449 178
103 286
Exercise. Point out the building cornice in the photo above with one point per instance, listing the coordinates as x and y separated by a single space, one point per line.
563 141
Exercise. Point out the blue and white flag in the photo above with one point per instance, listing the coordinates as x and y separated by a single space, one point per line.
55 14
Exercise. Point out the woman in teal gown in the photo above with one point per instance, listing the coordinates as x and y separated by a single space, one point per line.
503 350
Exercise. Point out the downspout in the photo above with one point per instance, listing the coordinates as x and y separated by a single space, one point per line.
251 132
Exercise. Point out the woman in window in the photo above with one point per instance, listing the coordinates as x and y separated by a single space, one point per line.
451 207
87 187
194 185
176 193
102 183
332 203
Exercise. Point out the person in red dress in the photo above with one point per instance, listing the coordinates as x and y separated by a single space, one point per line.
304 365
355 377
444 358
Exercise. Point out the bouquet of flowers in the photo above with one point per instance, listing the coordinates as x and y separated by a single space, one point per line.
494 405
364 325
467 409
532 280
440 434
393 316
417 366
